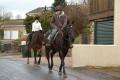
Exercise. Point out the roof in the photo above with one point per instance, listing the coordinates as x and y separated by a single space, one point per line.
12 22
38 10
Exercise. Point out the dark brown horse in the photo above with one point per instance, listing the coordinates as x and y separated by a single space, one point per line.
60 44
36 45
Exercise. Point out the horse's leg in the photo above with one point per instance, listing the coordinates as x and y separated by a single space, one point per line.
64 55
52 54
48 56
60 68
35 55
61 65
39 54
28 55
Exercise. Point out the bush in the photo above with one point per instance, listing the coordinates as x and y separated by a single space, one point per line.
77 40
0 46
16 45
17 42
1 34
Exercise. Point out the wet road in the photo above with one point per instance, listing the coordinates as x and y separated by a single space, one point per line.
11 69
18 70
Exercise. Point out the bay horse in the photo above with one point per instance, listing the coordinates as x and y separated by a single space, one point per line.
60 44
36 44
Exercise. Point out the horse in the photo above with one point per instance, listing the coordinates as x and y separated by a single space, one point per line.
36 45
60 44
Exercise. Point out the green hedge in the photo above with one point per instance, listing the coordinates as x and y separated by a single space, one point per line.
1 34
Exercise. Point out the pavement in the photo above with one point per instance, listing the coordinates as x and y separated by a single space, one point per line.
15 68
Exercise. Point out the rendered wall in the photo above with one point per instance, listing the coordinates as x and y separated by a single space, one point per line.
100 55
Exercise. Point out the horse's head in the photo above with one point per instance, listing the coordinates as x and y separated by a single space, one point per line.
69 32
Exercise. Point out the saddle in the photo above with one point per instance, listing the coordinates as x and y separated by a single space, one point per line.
52 36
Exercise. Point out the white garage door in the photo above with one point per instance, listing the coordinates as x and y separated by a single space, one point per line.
6 34
14 34
10 34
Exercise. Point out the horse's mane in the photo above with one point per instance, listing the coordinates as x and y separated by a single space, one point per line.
59 39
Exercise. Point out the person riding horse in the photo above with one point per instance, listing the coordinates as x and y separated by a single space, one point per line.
58 22
36 26
35 41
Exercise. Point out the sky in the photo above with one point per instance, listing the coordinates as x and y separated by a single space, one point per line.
21 7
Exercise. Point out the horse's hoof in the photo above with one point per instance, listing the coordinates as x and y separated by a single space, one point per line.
60 73
38 63
65 76
50 71
35 62
27 62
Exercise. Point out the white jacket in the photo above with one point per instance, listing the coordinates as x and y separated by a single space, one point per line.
36 26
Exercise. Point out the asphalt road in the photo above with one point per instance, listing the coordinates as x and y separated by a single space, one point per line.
11 69
18 70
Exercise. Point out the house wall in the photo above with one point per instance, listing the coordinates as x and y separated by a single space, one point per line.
20 31
100 6
100 55
100 9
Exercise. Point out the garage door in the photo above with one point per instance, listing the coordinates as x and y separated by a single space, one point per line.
10 34
104 32
6 34
14 35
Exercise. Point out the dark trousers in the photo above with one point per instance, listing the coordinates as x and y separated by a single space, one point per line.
30 36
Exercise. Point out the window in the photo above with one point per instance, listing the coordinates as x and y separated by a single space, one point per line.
6 34
11 34
104 32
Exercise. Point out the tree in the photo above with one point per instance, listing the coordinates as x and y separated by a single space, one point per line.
28 23
0 13
78 14
44 18
5 14
59 2
18 16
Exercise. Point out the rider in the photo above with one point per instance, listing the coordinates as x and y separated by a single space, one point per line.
58 22
36 26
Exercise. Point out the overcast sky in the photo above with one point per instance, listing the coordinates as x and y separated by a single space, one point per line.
23 6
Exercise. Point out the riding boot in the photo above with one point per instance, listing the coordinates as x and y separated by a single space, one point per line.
30 36
51 36
48 41
46 35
